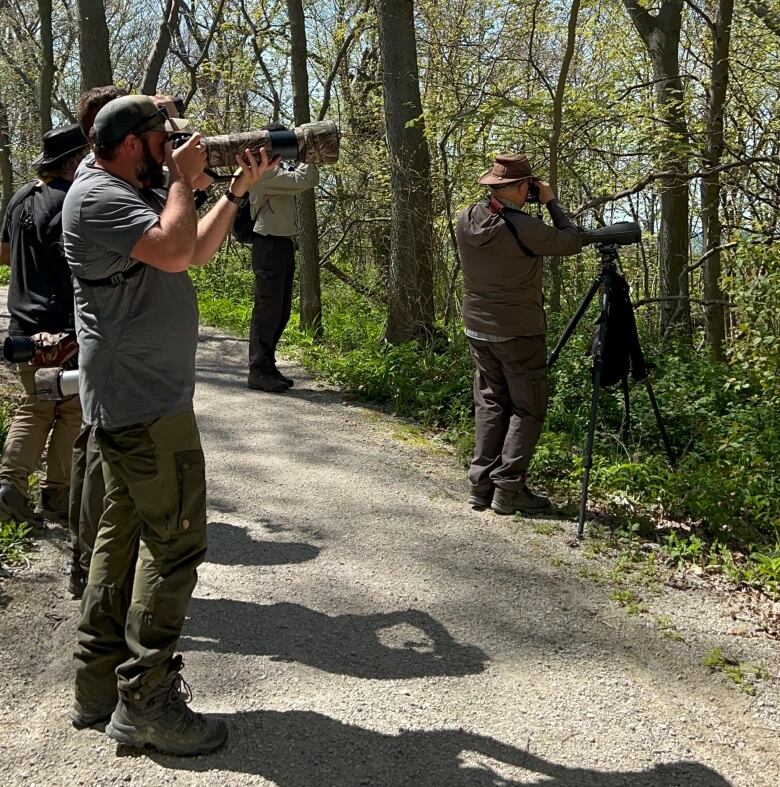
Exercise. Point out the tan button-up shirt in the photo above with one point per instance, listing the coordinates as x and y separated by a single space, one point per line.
272 200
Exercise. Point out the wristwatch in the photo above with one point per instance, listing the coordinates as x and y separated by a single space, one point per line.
239 202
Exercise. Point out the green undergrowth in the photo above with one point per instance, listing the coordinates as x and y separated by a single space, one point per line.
14 542
743 673
721 503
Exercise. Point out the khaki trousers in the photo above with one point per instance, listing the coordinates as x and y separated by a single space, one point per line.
151 538
34 422
510 403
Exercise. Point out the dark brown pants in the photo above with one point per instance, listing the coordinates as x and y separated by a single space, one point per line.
510 399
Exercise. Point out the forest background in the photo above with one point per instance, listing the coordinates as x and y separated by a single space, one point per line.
665 112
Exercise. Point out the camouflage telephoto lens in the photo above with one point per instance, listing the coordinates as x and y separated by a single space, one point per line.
311 143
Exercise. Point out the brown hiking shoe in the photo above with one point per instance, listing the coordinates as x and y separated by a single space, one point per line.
508 501
165 722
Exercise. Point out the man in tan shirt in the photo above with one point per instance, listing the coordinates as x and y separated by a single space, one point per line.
501 250
272 203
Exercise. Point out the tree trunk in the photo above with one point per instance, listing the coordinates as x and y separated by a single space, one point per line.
311 297
46 83
93 45
410 309
661 35
714 312
555 138
154 64
6 169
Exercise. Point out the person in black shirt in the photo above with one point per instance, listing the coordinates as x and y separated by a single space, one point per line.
40 299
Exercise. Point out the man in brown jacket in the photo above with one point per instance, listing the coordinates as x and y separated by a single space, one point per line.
501 250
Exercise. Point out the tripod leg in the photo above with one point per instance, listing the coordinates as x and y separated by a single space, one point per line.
598 365
661 427
625 426
573 322
588 458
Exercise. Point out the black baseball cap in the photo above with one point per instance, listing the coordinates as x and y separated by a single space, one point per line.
128 115
59 143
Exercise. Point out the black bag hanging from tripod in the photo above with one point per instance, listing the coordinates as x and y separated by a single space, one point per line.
621 352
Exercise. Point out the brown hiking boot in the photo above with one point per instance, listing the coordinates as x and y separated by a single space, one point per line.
165 722
508 501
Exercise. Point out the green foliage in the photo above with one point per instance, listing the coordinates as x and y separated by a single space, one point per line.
629 600
14 541
742 673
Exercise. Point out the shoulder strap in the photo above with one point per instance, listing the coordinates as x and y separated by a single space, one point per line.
494 206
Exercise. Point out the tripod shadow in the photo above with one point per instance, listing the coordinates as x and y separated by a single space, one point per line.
382 646
307 749
230 545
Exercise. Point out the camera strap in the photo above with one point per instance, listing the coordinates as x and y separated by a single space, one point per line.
114 280
494 206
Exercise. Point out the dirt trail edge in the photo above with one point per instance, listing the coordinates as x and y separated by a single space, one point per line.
357 624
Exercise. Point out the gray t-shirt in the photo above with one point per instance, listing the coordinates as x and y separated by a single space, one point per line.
137 340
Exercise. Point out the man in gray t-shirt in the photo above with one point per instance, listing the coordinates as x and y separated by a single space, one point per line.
137 318
137 339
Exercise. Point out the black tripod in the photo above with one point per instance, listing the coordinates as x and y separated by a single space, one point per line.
611 283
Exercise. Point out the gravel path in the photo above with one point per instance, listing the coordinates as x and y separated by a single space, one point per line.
357 624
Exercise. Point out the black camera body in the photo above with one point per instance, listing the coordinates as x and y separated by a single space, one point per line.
533 192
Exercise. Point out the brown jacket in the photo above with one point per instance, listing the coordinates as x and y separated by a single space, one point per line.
502 286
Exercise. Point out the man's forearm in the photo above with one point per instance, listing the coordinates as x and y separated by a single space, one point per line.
178 219
212 230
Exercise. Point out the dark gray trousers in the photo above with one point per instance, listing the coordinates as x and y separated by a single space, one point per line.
273 263
510 401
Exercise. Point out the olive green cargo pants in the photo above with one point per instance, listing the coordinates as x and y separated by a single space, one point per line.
32 423
87 491
152 537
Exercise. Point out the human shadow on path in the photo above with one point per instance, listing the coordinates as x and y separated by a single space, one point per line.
231 545
307 749
382 646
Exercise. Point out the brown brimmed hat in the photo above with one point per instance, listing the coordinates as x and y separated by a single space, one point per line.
507 168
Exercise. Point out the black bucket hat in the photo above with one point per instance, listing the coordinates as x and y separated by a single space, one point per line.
60 143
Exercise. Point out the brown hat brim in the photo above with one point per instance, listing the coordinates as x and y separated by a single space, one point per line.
489 179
